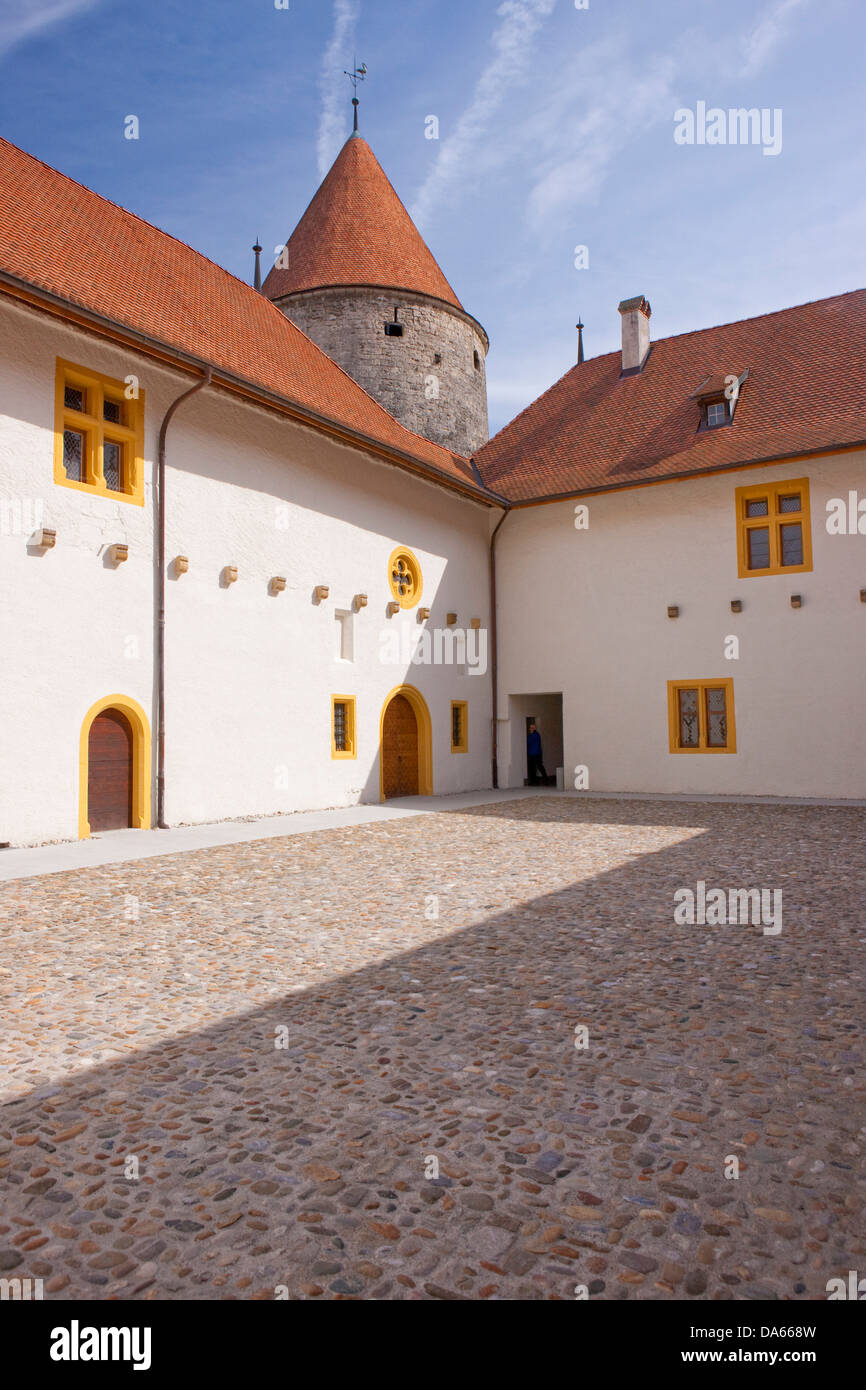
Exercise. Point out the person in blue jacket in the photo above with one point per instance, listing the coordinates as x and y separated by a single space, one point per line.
534 766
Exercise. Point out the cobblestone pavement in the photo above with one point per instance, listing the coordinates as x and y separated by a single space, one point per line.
146 1006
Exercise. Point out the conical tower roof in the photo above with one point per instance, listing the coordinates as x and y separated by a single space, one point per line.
356 231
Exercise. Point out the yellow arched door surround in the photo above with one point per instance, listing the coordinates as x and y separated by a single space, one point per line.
425 739
141 754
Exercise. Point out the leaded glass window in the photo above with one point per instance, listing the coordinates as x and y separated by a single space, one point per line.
73 455
112 465
717 717
791 536
689 723
340 727
759 547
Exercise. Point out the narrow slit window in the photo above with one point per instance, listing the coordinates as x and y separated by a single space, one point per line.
343 726
459 726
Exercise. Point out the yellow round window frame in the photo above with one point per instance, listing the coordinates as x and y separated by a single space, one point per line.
403 562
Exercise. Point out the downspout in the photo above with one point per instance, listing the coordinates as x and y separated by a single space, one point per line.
494 658
160 627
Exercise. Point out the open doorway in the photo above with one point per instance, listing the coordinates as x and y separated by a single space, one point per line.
535 760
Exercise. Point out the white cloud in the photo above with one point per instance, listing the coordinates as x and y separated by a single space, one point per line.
24 19
332 84
570 140
511 43
770 31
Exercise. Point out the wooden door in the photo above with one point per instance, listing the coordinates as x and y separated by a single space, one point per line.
109 772
400 749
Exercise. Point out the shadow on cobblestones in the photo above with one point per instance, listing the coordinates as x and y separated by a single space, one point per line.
428 977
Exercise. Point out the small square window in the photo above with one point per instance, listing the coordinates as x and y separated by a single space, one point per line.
757 507
112 411
790 503
717 414
393 330
75 398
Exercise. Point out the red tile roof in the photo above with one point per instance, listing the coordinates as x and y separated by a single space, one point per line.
58 236
357 232
806 392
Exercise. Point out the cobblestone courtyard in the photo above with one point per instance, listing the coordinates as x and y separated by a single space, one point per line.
145 1006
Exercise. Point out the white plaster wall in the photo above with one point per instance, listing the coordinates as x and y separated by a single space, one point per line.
249 676
585 612
250 490
72 629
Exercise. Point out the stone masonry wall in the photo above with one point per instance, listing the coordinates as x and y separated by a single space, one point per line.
444 400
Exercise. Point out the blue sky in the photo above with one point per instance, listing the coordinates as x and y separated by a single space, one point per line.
556 129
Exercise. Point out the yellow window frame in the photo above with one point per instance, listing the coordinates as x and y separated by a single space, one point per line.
351 749
413 570
97 431
463 745
702 686
773 521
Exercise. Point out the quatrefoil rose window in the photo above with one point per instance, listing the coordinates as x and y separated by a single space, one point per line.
404 577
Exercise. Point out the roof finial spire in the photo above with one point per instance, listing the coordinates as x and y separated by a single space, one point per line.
579 327
355 76
257 277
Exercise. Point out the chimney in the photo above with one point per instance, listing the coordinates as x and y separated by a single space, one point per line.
635 333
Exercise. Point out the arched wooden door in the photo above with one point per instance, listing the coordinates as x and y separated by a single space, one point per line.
109 772
400 749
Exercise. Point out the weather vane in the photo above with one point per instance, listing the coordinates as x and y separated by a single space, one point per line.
355 76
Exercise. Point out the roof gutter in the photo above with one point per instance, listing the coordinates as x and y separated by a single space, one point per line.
494 659
823 451
46 301
160 592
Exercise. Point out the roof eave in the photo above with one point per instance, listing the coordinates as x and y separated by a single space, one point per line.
820 451
36 296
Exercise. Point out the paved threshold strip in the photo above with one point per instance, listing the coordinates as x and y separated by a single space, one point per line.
126 846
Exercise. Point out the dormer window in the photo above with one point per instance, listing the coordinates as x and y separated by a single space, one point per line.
717 398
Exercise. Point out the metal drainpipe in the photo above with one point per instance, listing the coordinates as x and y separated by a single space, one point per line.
494 658
160 627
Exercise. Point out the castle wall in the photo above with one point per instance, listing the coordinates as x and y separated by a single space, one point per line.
250 674
584 612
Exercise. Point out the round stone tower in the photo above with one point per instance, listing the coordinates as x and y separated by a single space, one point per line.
357 277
